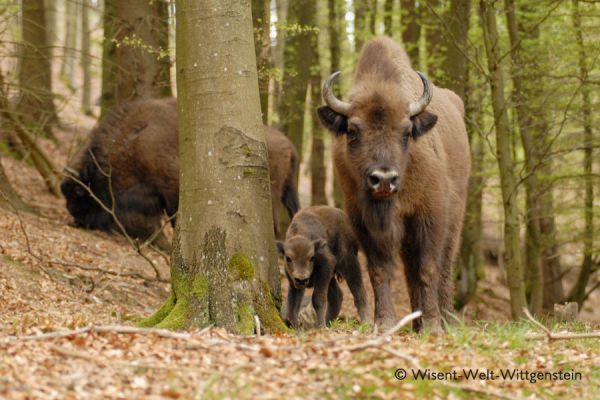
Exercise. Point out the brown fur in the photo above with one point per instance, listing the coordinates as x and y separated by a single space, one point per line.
320 246
423 221
137 145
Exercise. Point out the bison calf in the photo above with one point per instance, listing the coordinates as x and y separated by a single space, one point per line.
319 247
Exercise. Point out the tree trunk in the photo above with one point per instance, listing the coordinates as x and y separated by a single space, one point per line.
336 28
35 107
9 198
317 152
224 267
86 60
360 24
372 4
579 290
508 182
261 20
434 40
298 59
411 30
135 60
67 66
388 12
454 63
525 120
278 55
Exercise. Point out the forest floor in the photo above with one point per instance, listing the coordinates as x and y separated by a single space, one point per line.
56 278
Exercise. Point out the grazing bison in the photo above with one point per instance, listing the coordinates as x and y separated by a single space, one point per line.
134 151
320 247
403 162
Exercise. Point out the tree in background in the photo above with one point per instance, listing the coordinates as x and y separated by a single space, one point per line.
261 20
506 163
86 59
578 293
411 29
135 60
67 66
224 267
299 57
35 106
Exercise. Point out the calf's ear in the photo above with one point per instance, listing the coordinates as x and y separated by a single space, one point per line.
336 123
280 249
319 244
422 123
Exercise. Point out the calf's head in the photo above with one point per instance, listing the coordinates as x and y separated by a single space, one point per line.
300 254
376 128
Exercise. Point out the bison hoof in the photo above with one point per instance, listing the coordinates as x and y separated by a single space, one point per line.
385 323
432 326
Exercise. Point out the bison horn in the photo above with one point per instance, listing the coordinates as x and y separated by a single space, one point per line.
418 106
341 107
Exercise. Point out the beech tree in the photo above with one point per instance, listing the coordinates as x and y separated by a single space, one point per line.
224 266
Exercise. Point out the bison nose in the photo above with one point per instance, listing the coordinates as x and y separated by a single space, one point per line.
301 282
383 181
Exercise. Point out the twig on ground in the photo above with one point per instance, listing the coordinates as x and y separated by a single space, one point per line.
557 336
257 325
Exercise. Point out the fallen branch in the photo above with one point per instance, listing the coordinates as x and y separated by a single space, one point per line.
556 336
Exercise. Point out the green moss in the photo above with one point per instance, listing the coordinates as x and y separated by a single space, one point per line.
200 286
267 312
247 150
248 172
160 314
245 323
177 317
242 266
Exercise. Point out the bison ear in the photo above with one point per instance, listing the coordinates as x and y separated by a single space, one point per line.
336 123
280 249
422 123
319 244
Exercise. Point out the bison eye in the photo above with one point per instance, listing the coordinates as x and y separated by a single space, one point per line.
288 259
353 134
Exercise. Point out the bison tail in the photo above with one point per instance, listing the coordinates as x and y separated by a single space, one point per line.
289 198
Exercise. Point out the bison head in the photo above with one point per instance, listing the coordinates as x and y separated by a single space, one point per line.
300 253
85 209
375 131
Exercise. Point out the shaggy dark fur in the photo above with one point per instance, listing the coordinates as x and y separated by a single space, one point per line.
131 164
320 247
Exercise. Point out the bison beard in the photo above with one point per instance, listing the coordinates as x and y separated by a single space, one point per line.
417 150
132 161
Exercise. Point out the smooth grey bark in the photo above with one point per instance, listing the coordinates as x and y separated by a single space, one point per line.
224 265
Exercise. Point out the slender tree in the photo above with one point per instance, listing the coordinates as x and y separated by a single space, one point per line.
411 29
388 12
299 58
86 59
135 60
526 121
67 67
224 268
261 20
317 151
336 27
508 182
360 23
35 106
578 293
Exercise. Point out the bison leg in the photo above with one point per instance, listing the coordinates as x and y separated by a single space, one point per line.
294 302
354 280
381 277
446 300
421 253
334 301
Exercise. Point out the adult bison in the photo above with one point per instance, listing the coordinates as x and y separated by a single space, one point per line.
131 165
403 162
